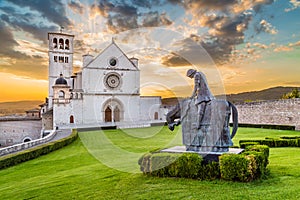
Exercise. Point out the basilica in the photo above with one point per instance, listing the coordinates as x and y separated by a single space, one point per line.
105 92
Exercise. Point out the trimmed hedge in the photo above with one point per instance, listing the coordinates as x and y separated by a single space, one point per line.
267 126
13 159
274 142
246 144
244 167
186 165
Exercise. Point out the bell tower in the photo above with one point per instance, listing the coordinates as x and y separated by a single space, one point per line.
60 60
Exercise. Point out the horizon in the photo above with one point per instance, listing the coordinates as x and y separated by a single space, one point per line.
239 46
42 100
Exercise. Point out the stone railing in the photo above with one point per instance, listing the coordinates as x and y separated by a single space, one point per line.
26 145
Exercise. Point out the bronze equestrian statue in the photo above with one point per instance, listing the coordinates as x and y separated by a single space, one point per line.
204 119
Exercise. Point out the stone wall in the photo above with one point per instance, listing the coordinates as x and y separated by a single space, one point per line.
279 112
15 131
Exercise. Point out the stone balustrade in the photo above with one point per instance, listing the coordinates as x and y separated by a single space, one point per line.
26 145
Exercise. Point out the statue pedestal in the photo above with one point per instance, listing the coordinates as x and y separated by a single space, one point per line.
207 155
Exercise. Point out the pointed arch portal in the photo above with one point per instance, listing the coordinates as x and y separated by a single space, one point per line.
116 114
113 110
108 114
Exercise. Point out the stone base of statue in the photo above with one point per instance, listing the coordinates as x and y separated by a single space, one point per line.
207 155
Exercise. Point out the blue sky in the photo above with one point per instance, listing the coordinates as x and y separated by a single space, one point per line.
240 45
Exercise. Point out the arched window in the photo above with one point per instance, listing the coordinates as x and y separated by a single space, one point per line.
156 115
61 43
54 43
67 44
71 119
61 95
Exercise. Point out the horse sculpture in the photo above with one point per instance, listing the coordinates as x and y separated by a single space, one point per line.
212 132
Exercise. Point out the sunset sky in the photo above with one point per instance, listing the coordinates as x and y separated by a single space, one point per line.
241 45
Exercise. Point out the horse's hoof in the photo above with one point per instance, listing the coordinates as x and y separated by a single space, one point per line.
171 127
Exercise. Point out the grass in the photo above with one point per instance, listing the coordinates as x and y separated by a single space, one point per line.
74 173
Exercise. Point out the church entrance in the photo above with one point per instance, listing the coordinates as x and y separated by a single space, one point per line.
108 115
113 111
117 114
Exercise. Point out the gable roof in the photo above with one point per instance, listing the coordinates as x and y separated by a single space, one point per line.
102 60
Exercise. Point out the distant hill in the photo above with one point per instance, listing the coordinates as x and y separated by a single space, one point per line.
267 94
18 107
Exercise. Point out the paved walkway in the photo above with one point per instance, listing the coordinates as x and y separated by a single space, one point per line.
61 134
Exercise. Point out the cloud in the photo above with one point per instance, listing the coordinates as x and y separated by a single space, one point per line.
154 19
54 10
22 22
224 34
28 21
294 44
294 5
259 45
8 44
174 60
34 68
77 7
80 48
283 48
266 27
226 23
146 4
126 16
197 7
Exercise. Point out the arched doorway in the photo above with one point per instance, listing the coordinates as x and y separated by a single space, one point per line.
108 114
116 114
156 116
113 110
71 119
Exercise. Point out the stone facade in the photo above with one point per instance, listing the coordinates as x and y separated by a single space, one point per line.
279 112
18 130
106 91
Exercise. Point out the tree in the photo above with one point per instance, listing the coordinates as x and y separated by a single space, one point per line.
291 95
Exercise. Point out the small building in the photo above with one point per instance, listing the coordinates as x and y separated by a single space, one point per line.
34 113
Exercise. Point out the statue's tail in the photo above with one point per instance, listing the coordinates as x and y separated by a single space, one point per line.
234 119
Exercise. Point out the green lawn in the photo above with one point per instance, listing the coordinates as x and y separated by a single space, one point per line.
74 173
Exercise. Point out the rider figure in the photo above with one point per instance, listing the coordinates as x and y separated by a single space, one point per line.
201 93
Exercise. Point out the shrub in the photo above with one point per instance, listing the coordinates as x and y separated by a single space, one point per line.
245 144
237 167
290 137
259 171
268 126
273 142
159 163
260 148
189 165
13 159
245 167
